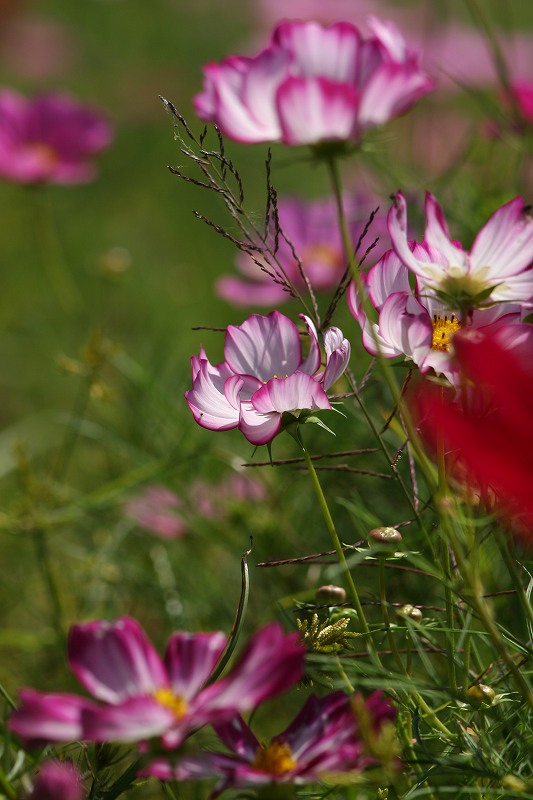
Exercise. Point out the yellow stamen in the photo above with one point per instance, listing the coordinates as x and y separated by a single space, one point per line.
45 154
276 759
174 702
443 330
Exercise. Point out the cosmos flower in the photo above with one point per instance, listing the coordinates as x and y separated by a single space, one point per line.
312 229
486 429
496 270
50 138
323 738
313 84
265 375
415 322
142 696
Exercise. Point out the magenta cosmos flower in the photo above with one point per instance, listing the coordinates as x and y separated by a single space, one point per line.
143 696
496 270
312 229
50 138
323 738
265 375
414 322
313 84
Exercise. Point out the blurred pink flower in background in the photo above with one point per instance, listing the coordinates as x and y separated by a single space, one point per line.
313 231
57 780
314 84
38 48
155 508
215 500
50 138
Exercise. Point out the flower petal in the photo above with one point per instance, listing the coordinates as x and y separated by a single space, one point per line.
190 659
313 110
263 346
258 428
207 400
505 242
48 717
115 660
134 720
298 391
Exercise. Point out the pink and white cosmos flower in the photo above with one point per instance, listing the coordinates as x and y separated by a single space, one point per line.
142 696
50 138
414 322
313 84
322 738
496 270
264 376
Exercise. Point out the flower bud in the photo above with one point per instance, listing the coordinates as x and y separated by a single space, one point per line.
384 540
330 595
410 611
479 695
58 780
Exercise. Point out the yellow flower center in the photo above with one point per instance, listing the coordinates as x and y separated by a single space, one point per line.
276 759
167 698
45 154
326 254
443 330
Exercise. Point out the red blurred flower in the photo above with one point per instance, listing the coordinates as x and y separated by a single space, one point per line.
489 426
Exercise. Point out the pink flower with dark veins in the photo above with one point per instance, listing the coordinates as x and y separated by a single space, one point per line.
323 738
414 322
314 84
496 270
143 696
312 229
50 138
265 376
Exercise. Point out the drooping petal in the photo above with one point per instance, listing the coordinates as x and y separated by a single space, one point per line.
115 660
207 400
190 659
298 391
238 737
505 242
48 717
313 110
263 346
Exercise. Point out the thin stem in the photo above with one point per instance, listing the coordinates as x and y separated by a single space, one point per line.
43 558
450 639
424 463
330 525
55 266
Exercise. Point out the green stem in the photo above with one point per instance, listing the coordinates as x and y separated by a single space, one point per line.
450 639
414 440
43 558
330 525
49 246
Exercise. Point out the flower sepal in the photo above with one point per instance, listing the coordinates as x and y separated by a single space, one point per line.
290 422
457 295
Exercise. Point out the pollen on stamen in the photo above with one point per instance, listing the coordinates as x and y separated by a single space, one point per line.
444 329
276 759
174 702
